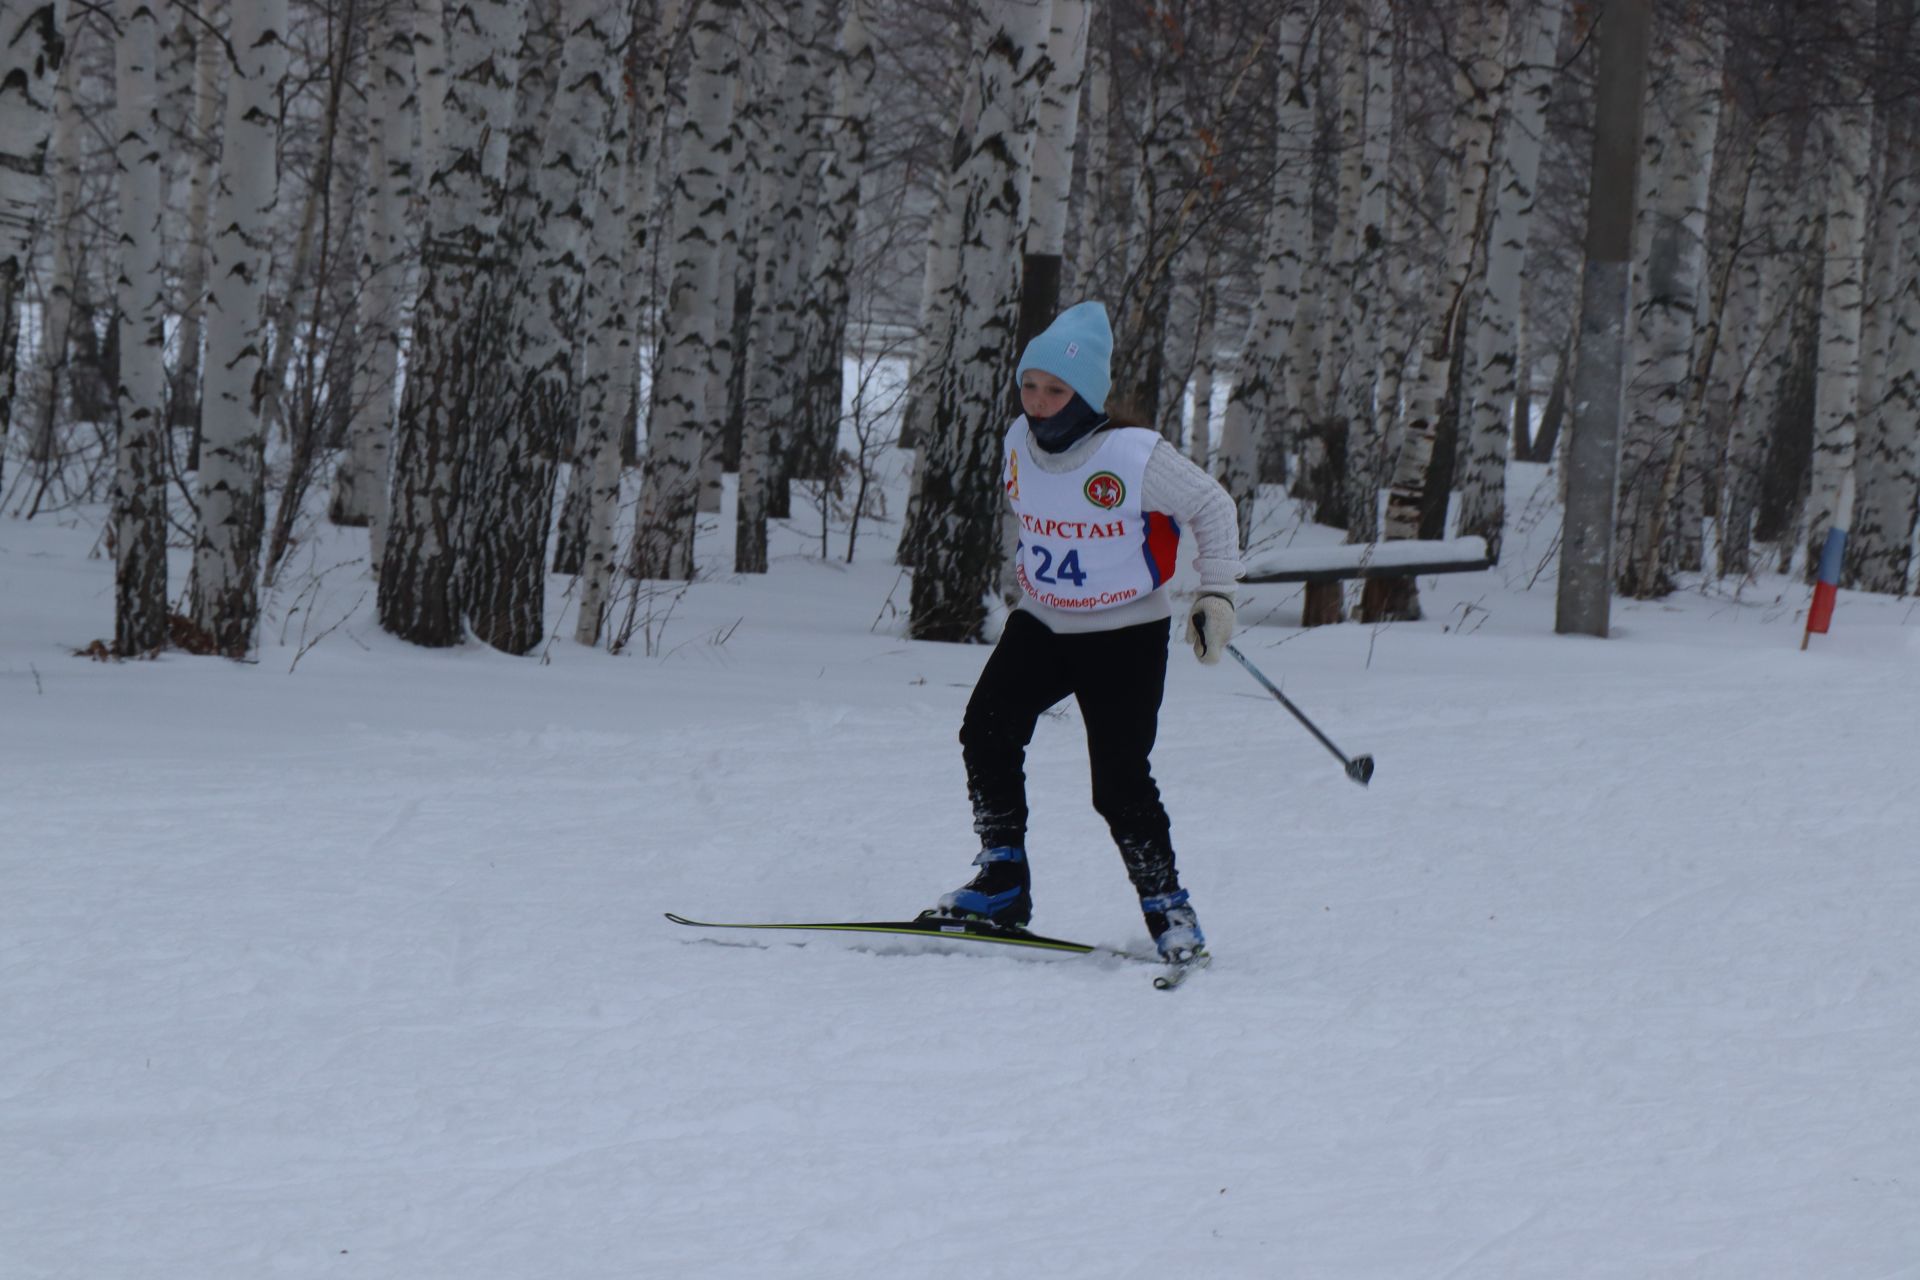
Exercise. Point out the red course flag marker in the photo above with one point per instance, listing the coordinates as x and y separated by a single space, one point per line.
1826 585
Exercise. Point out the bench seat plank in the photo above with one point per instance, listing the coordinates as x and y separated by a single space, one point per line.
1410 558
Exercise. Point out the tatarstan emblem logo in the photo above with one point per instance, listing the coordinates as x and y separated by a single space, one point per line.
1105 490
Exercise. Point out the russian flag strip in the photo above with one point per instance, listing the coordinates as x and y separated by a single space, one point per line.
1827 583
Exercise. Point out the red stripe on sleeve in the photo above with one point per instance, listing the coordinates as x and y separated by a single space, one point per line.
1162 546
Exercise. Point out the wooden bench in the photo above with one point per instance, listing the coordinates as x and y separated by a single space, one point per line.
1323 569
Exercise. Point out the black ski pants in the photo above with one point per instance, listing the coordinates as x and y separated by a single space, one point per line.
1118 678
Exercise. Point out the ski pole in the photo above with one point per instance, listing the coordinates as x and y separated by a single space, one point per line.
1359 768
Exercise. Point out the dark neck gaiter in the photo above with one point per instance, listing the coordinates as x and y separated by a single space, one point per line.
1059 433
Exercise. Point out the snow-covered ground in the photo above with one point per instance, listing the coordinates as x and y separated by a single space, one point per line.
351 962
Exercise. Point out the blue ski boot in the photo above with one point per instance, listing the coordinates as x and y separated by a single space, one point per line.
1000 894
1175 927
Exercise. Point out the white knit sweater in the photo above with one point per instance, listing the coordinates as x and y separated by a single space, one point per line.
1176 487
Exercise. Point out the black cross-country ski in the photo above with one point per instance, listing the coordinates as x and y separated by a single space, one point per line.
927 926
1178 971
948 929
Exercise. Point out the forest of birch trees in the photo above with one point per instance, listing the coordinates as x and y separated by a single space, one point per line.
522 287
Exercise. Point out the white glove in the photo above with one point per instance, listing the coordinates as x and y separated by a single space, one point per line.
1209 627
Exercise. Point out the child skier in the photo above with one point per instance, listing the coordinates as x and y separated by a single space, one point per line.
1101 506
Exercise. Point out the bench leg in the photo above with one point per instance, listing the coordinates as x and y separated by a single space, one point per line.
1326 603
1389 600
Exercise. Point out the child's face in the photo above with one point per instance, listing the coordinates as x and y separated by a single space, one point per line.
1042 395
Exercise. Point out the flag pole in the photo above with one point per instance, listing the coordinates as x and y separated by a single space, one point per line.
1826 585
1833 556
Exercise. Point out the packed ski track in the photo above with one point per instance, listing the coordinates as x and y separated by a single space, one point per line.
352 961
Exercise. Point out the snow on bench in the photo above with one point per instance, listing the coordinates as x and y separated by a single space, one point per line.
1324 568
1410 558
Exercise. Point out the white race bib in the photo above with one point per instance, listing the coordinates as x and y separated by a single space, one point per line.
1085 541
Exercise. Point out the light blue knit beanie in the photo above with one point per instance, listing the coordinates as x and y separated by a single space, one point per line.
1076 348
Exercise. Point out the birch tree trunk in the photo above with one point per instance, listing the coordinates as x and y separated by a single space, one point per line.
1255 405
1286 452
1787 461
1479 92
1344 317
515 467
960 549
801 457
1880 551
1399 350
1877 268
303 321
459 329
1740 320
1369 287
1491 390
140 490
1091 226
430 73
607 372
1200 438
622 232
300 321
1055 139
936 295
1164 193
56 310
651 212
285 307
1848 125
32 47
1766 282
773 347
224 600
741 253
1521 426
943 253
331 366
824 316
535 96
1180 348
1695 476
619 286
680 425
1676 176
209 60
180 51
296 318
360 485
